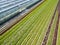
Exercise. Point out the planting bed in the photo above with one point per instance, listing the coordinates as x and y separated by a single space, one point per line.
39 27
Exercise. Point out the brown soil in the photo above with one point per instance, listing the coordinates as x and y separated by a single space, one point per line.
56 29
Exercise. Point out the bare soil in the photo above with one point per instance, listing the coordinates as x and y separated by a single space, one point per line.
57 24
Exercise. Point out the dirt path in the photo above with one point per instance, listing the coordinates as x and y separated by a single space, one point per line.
56 29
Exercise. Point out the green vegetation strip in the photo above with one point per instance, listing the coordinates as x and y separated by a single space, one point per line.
50 38
32 28
34 31
34 36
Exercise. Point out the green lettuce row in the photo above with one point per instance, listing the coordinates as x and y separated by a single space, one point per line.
50 38
42 36
33 31
34 39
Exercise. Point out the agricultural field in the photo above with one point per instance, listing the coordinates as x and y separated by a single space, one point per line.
39 27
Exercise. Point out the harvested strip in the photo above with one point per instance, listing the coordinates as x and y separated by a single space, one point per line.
10 23
49 42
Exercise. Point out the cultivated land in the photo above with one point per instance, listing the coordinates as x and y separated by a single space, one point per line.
32 29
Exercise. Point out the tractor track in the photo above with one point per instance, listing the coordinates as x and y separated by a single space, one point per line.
57 24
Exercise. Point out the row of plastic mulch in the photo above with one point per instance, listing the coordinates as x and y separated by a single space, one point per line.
12 11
